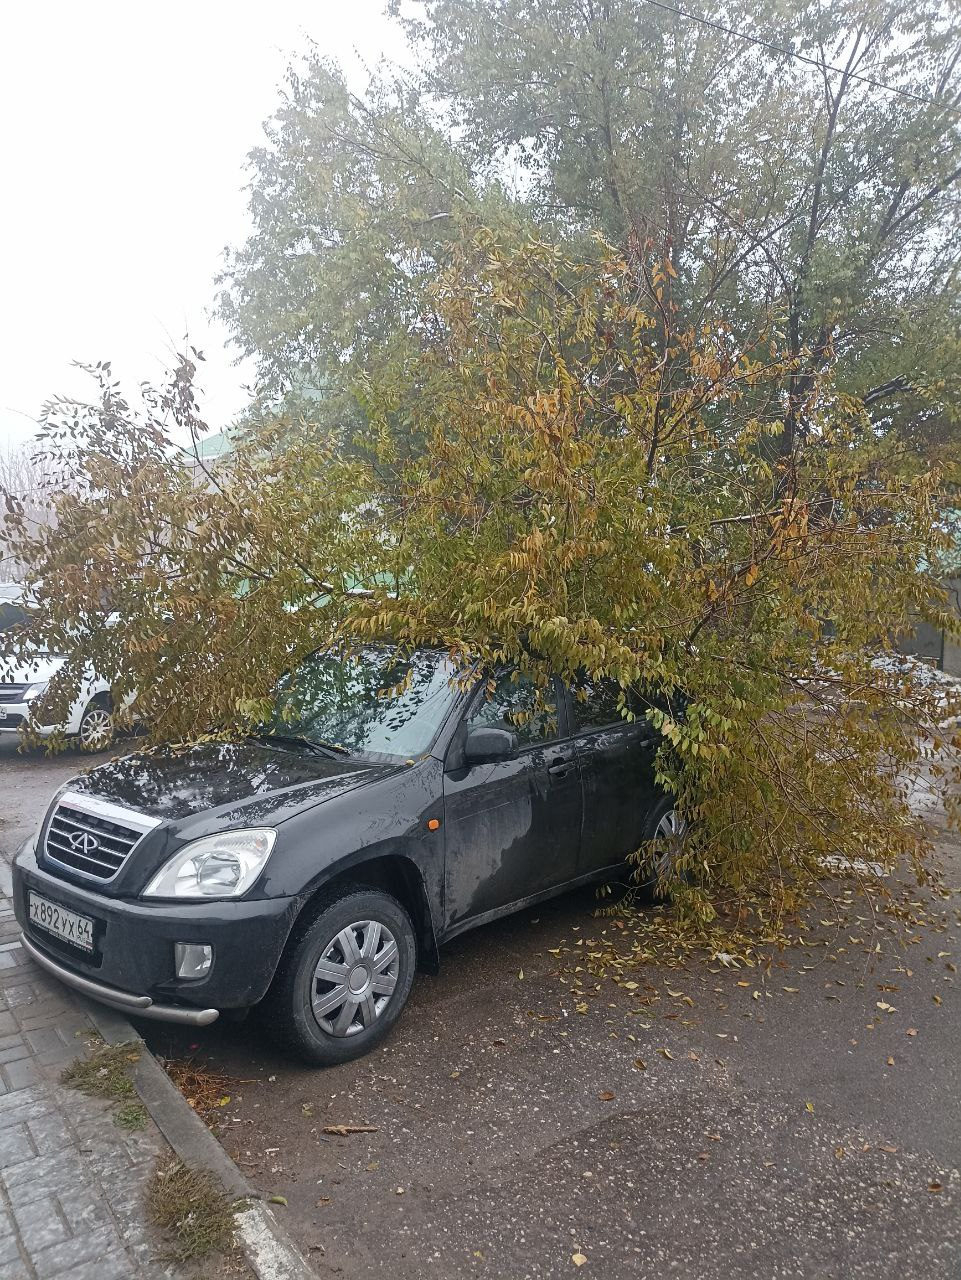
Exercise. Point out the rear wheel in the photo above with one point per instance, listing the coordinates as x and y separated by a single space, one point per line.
343 980
96 726
668 830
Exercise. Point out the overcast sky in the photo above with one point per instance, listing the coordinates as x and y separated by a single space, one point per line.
125 127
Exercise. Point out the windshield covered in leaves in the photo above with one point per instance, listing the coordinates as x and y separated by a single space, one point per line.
374 702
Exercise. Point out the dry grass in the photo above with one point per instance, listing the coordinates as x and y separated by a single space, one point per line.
190 1208
104 1073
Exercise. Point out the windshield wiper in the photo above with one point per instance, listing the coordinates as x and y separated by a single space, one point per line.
301 740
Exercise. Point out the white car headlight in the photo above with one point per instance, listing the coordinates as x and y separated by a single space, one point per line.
223 866
34 690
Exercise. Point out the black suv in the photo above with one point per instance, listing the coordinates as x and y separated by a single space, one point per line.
309 869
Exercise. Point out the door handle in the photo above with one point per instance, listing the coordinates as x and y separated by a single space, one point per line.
560 769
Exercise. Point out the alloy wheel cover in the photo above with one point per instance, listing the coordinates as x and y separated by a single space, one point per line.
355 978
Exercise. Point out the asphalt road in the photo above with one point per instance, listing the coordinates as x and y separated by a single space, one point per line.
799 1120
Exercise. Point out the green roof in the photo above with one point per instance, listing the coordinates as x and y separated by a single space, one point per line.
214 446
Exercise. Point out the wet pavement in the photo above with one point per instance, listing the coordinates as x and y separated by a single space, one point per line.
802 1121
531 1120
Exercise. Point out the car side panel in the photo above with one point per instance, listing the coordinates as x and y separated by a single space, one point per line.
513 829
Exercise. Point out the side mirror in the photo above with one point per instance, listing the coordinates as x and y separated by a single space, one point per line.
484 746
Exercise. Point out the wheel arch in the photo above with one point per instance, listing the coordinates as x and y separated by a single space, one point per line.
393 873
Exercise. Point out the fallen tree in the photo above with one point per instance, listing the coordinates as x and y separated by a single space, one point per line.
558 479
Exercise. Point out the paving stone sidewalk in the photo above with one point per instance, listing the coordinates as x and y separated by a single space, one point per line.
72 1183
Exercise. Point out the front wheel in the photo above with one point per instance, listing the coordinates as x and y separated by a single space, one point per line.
344 980
96 729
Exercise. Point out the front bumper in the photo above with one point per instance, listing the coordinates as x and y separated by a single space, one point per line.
131 967
142 1006
14 717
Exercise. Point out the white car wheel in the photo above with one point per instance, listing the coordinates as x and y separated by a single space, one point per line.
96 727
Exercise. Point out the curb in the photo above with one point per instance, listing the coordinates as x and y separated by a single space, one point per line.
269 1251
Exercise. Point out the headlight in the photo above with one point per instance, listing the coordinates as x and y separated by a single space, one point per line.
223 866
34 690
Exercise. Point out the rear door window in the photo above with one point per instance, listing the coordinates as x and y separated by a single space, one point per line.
597 704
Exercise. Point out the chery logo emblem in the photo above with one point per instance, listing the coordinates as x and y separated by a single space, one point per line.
83 842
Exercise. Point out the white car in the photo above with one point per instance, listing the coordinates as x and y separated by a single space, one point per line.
90 720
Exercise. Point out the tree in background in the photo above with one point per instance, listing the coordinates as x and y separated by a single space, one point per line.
777 194
29 479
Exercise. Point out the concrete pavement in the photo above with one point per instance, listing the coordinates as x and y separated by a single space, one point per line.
71 1181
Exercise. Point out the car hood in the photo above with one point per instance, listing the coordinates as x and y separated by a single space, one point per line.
265 783
43 666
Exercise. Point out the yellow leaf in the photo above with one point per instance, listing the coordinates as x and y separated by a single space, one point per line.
578 1259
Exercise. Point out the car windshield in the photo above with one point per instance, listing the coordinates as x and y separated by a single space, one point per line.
374 702
12 614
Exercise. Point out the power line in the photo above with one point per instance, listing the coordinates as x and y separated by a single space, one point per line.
800 57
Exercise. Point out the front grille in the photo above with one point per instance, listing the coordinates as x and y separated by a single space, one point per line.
93 838
13 692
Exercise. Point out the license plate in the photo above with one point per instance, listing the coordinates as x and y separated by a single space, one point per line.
57 920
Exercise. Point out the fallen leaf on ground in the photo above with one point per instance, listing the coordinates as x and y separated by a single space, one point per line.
606 1096
810 1107
912 1031
578 1259
640 1064
667 1054
277 1200
345 1130
934 1186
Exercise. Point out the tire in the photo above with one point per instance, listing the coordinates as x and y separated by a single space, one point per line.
96 730
663 822
327 966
